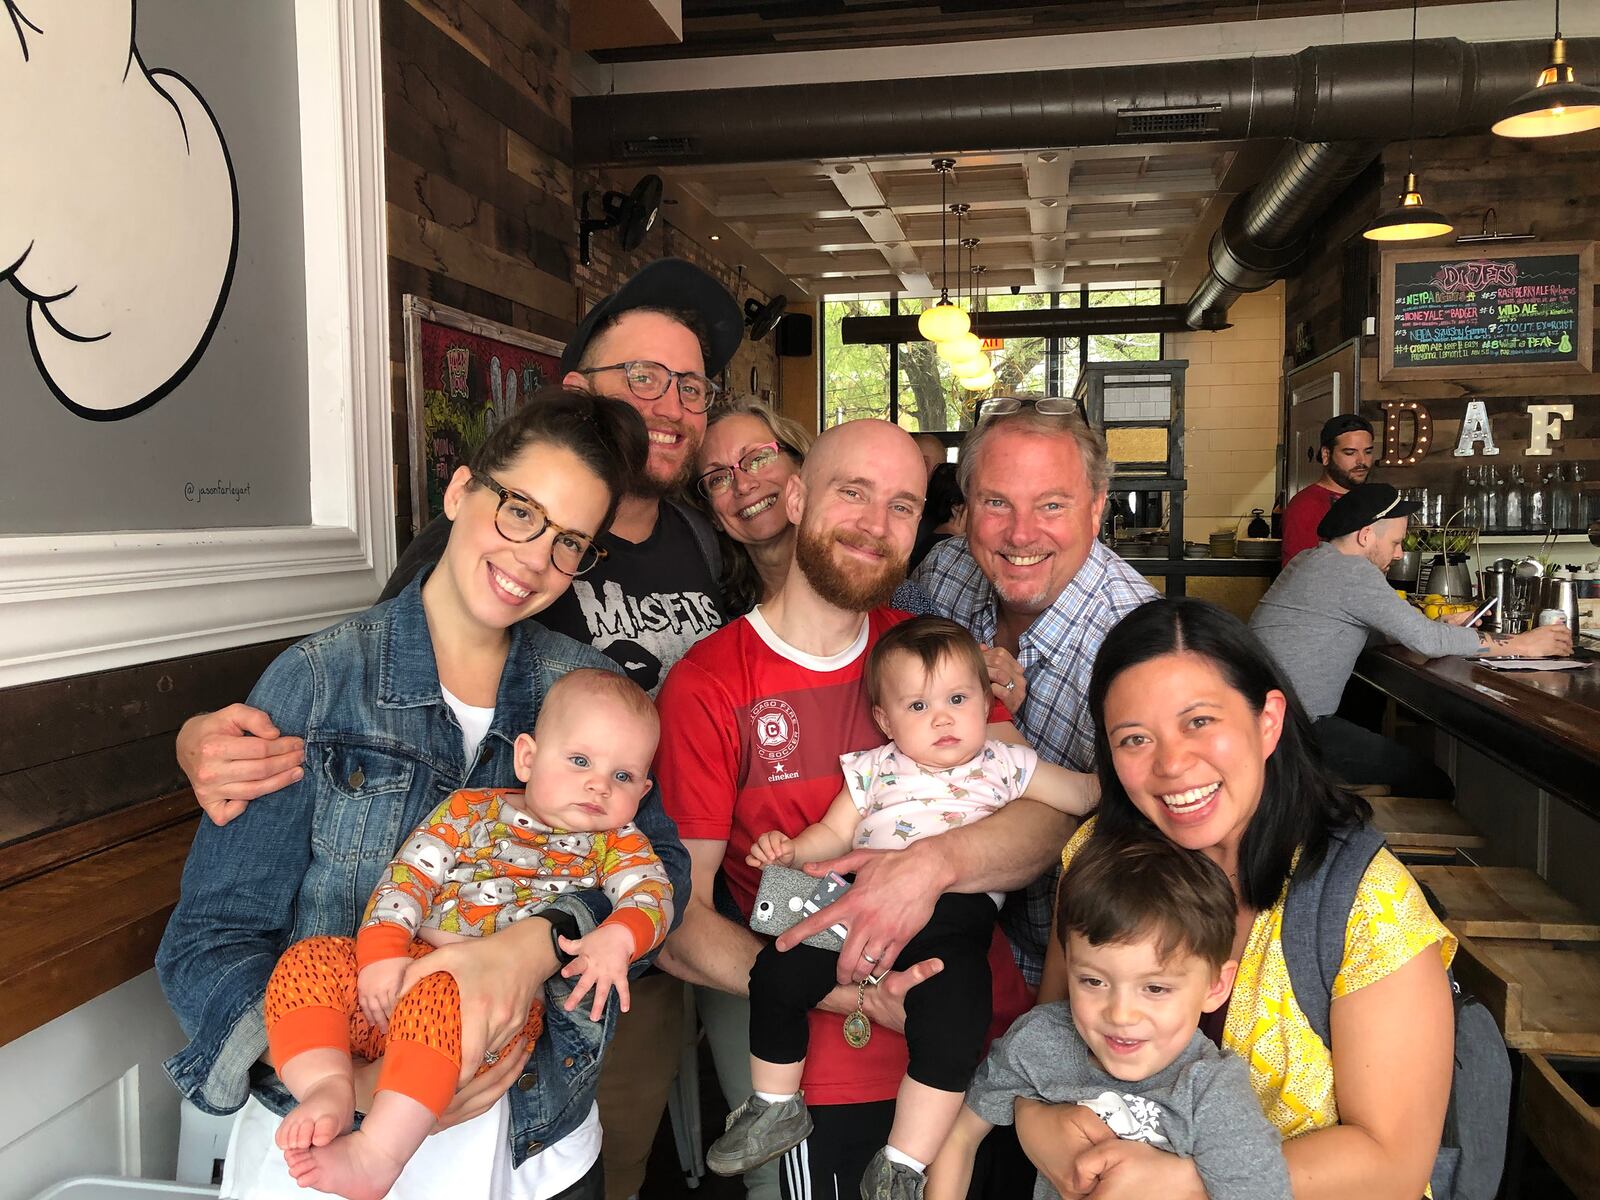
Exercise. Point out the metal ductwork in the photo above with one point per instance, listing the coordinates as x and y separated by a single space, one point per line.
1322 94
1340 103
1265 230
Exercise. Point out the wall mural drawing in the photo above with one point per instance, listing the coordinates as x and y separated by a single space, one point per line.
125 246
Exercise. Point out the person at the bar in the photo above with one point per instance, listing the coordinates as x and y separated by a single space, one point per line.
1346 453
1330 602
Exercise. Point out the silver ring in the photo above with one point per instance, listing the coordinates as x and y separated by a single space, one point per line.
1011 685
490 1059
870 959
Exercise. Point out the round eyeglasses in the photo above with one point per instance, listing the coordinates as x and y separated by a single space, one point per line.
520 518
649 381
756 461
1050 406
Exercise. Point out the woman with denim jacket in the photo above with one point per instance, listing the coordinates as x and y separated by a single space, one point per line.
398 707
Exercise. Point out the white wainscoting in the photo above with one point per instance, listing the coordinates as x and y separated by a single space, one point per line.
86 1094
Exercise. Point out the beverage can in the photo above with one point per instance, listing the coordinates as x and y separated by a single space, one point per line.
1551 616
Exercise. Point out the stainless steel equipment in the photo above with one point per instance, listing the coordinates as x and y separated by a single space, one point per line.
1449 575
1498 584
1561 592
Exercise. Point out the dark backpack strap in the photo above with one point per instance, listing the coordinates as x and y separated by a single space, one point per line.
1316 917
705 537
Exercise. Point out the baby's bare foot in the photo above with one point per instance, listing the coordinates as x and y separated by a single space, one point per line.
354 1166
326 1110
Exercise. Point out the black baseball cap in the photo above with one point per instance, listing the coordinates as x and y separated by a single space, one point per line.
669 283
1361 506
1335 428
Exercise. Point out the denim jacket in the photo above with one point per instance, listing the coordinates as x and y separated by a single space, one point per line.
382 750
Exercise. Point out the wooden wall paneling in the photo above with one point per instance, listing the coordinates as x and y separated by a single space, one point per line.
59 718
80 931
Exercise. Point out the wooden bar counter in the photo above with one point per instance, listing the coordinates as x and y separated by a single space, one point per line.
1541 725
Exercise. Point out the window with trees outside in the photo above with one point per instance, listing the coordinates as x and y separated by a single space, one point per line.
910 384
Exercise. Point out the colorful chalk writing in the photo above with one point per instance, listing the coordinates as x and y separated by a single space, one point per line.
1472 312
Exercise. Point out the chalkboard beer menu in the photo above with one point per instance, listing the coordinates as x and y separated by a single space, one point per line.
1489 312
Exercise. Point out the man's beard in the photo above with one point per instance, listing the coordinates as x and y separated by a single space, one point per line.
1346 480
652 487
858 589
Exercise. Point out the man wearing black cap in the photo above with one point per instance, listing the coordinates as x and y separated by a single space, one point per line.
653 342
1331 601
1346 455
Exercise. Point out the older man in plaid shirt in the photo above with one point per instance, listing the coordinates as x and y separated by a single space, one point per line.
1034 585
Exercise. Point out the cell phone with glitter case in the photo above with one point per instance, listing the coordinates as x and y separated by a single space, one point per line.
786 897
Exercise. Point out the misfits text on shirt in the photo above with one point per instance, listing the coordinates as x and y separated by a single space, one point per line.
645 634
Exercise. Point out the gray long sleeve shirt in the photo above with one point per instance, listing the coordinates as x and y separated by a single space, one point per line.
1200 1105
1326 608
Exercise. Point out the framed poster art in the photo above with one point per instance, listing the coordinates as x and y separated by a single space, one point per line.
237 489
464 375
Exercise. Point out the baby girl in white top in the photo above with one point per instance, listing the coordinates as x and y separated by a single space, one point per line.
929 690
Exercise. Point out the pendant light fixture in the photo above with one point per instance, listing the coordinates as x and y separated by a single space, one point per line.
964 347
978 374
944 320
1558 104
1411 220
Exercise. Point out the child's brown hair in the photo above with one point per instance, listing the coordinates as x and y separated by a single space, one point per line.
1119 890
929 640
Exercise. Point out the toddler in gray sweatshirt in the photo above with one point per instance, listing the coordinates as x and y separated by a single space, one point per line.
1148 931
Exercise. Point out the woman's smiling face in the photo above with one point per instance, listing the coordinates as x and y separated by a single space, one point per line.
1190 751
751 511
497 582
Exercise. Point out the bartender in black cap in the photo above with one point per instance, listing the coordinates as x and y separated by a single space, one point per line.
1345 451
1333 601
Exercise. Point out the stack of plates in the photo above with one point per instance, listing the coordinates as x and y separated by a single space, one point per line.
1267 547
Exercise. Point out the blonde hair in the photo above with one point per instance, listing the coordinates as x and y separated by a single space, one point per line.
741 586
590 683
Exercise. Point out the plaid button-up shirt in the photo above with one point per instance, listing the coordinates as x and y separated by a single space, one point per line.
1057 653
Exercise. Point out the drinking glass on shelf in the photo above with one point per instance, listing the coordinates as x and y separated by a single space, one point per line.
1562 496
1513 499
1538 506
1469 497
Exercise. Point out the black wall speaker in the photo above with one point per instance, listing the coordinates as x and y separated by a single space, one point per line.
794 335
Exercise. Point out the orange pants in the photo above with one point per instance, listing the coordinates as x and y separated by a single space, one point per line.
311 1005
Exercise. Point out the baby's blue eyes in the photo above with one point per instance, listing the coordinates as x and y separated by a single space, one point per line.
623 776
578 760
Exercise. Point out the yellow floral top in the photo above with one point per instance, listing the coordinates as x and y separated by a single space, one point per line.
1290 1069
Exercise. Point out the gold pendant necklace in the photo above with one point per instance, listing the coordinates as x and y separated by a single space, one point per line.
857 1029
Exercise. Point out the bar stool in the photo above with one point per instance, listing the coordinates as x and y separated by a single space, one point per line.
1417 828
1503 902
1562 1124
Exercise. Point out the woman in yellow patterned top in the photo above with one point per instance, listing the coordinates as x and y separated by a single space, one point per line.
1198 740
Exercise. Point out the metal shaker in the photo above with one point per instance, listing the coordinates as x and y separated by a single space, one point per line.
1561 591
1498 584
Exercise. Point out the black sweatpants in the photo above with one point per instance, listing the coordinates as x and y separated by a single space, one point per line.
947 1016
1356 756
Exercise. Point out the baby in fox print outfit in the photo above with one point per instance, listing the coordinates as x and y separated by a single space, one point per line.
482 860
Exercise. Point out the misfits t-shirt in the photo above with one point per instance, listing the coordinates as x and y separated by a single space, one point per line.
646 602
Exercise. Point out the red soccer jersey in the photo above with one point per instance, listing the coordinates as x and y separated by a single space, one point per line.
1301 516
751 734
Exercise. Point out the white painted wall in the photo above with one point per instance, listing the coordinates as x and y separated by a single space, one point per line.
86 1094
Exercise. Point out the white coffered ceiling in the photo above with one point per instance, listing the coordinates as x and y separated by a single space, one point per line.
1042 217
